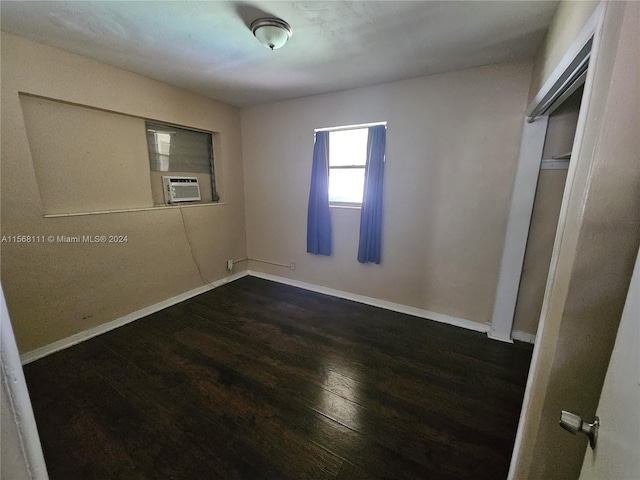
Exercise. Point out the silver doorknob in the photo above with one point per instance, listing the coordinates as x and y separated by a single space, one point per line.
573 423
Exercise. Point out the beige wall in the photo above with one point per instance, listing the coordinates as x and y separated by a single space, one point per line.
593 259
54 290
567 23
86 160
542 233
452 143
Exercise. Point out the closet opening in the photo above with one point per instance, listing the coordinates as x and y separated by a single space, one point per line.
556 157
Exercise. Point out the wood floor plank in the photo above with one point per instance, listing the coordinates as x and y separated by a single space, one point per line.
237 404
449 400
261 380
333 406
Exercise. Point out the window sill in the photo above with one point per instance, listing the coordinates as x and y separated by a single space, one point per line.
127 210
345 206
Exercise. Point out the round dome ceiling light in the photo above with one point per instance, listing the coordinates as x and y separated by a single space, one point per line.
273 33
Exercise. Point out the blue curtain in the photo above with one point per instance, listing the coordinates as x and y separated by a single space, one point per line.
318 216
371 213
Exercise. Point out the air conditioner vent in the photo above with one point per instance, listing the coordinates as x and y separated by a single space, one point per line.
181 189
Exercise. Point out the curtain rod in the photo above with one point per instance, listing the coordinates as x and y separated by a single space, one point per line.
350 127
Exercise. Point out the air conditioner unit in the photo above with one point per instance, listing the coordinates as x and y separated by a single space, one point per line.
180 189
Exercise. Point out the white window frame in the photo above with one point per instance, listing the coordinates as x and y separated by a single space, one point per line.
362 126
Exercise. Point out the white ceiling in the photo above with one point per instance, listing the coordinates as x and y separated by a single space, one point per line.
208 48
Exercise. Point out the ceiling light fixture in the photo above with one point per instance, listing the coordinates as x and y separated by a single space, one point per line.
273 33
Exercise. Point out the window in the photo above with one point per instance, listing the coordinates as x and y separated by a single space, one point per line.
347 163
180 151
347 160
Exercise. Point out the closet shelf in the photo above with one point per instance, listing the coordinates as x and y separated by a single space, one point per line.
564 156
554 164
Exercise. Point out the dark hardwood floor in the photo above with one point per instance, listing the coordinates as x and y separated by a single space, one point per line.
257 380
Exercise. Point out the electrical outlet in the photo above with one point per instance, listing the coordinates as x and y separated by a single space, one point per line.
292 265
229 265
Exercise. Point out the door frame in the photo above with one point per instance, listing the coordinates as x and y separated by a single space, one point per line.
24 432
558 86
591 32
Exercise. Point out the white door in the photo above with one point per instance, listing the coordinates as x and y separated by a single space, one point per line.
617 453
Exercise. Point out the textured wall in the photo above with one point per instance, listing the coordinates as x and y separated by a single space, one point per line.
54 290
452 142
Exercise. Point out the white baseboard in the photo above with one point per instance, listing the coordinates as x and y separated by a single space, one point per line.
396 307
523 336
499 338
105 327
515 335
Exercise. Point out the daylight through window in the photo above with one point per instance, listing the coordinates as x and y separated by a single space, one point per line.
347 161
